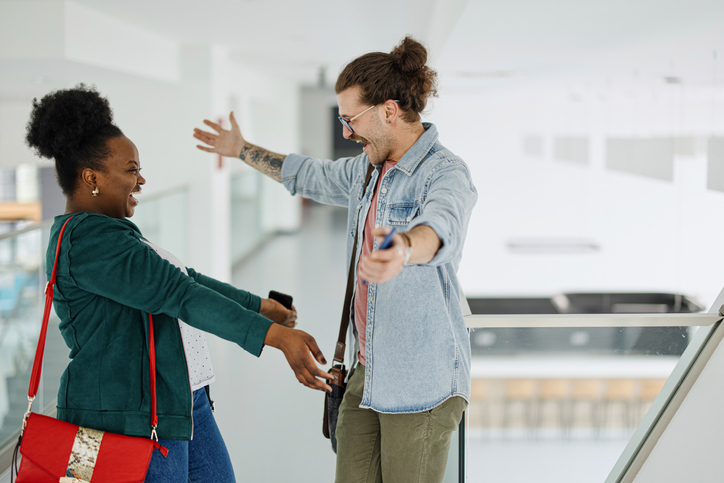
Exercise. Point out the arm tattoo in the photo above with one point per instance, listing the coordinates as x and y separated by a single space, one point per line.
265 161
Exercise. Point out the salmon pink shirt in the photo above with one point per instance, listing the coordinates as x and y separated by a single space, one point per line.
360 299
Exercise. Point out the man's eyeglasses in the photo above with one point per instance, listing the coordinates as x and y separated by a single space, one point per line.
346 122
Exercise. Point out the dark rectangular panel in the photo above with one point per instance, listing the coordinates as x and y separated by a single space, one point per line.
341 147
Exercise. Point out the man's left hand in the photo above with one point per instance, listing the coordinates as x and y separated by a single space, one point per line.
383 265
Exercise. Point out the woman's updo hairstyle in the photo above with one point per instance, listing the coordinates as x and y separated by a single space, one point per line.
73 127
400 75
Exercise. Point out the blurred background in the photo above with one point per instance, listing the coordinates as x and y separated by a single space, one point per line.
594 132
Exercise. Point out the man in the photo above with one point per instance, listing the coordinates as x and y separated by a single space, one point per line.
410 387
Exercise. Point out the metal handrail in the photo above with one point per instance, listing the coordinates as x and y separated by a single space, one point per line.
539 321
36 226
709 320
49 223
7 450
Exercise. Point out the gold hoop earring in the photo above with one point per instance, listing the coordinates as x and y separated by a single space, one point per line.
95 191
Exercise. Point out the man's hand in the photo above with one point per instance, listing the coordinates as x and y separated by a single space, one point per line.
225 143
231 143
383 265
276 312
298 347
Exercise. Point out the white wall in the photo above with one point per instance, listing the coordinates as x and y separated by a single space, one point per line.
44 18
159 91
13 151
122 47
268 112
653 235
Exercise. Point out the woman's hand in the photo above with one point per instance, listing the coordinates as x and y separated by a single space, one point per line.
299 347
276 312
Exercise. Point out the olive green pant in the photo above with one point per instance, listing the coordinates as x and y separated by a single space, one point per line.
374 447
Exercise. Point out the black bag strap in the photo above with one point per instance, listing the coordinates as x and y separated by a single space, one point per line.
344 324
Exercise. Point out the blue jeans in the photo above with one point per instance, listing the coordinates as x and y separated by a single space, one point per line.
203 459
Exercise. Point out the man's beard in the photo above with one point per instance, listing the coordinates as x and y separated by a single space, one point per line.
376 152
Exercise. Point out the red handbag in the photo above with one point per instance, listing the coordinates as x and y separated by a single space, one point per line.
55 451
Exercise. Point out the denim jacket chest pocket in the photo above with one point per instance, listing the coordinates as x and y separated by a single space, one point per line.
400 215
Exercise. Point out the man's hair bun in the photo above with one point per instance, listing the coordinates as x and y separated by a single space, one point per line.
410 56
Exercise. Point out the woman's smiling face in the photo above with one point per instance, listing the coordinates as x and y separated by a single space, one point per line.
119 180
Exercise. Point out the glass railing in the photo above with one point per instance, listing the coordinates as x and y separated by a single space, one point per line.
557 398
162 218
246 227
22 279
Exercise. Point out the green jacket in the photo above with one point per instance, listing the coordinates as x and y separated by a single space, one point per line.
108 281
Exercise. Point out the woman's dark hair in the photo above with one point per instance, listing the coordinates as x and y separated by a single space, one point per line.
73 127
400 75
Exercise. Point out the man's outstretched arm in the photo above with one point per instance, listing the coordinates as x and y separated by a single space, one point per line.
232 144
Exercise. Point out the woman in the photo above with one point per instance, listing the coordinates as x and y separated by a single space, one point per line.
109 278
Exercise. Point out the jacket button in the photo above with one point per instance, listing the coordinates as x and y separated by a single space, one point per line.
384 190
409 218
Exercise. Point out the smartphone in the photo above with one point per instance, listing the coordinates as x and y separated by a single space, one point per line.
387 242
282 298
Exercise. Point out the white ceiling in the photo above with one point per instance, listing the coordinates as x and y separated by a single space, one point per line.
297 36
473 40
475 44
599 41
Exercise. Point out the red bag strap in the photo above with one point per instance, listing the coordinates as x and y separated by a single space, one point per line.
152 363
38 362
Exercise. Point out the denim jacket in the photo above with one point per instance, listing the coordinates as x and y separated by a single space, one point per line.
418 349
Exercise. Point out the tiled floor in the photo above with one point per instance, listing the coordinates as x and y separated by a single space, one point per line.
517 459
